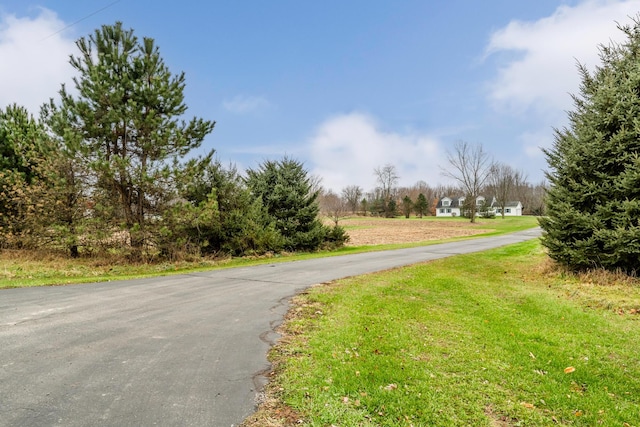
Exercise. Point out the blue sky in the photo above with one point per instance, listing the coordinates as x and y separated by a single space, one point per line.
344 86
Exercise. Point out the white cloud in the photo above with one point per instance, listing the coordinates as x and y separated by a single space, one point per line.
242 104
538 69
345 150
34 59
544 72
534 142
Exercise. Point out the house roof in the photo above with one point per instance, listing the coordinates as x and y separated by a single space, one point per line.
456 202
512 204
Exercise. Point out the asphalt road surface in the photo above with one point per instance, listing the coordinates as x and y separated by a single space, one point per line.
185 350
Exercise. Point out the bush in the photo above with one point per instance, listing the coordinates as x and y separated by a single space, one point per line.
336 237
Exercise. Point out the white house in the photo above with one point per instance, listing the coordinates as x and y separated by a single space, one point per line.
510 209
451 206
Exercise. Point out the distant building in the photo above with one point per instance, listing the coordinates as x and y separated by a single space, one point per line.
452 206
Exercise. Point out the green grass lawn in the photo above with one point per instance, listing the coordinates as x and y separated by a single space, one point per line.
489 339
23 268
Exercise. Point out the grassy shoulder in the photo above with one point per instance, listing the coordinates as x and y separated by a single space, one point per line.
22 268
493 339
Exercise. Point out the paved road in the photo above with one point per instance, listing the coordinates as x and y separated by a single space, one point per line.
186 350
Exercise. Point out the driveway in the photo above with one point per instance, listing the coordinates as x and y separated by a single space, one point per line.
184 350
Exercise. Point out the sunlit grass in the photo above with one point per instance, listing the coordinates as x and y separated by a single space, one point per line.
491 339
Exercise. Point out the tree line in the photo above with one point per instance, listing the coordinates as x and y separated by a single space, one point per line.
107 169
387 199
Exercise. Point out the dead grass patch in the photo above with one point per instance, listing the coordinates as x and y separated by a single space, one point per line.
272 413
498 420
598 288
380 231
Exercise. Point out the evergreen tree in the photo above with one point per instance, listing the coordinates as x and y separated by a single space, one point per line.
21 142
484 210
391 209
364 206
125 125
593 202
236 223
285 189
421 206
41 187
22 150
407 206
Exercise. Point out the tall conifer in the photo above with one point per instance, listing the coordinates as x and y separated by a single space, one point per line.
124 121
593 203
287 193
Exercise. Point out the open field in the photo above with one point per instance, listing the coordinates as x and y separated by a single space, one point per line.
33 268
379 231
376 232
498 339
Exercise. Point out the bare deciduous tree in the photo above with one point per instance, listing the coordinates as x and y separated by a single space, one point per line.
315 184
537 196
332 206
470 166
352 195
502 180
387 178
522 190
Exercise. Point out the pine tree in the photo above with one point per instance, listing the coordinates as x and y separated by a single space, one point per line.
21 141
41 189
407 206
421 207
125 124
391 210
22 150
593 202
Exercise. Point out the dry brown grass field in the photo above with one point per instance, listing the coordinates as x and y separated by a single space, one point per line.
383 231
